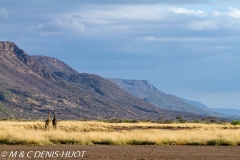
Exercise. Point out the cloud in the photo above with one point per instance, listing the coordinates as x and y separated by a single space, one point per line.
203 25
104 2
180 10
112 13
188 40
122 12
76 17
4 14
234 12
134 18
58 27
148 38
216 13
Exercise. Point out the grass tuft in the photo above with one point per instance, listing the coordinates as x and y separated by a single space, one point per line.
104 142
141 142
194 143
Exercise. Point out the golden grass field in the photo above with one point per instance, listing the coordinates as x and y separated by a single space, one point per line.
93 132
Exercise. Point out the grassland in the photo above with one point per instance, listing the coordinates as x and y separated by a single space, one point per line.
92 132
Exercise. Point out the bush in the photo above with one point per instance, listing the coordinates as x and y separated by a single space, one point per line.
139 142
134 121
115 120
182 120
168 121
219 143
235 122
196 121
103 142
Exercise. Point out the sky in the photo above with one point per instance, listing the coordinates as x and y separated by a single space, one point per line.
187 48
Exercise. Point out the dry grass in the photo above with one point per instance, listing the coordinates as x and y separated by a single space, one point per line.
89 133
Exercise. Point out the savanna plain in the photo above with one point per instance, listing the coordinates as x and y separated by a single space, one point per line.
142 140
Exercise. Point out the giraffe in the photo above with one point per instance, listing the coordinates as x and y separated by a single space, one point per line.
54 121
47 122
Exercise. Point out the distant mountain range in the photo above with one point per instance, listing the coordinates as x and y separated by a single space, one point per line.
146 91
225 111
198 104
30 86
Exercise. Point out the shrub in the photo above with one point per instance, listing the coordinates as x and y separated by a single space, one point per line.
115 120
103 142
139 142
182 120
134 121
194 143
235 122
219 143
168 121
196 121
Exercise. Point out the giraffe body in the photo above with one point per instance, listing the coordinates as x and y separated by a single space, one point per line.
47 122
54 121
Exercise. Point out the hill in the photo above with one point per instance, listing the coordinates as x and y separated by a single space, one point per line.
94 83
146 91
226 112
30 86
198 104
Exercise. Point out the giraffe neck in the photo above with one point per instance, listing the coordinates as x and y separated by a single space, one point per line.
48 115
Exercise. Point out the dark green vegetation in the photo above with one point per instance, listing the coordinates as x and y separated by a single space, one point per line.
32 86
235 122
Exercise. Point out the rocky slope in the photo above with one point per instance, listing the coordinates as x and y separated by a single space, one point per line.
32 86
146 91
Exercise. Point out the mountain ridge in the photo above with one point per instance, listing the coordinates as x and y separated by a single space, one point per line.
230 112
29 89
146 91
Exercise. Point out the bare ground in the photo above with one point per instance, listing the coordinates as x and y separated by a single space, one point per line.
102 152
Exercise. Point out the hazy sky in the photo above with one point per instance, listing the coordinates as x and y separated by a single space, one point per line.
188 48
